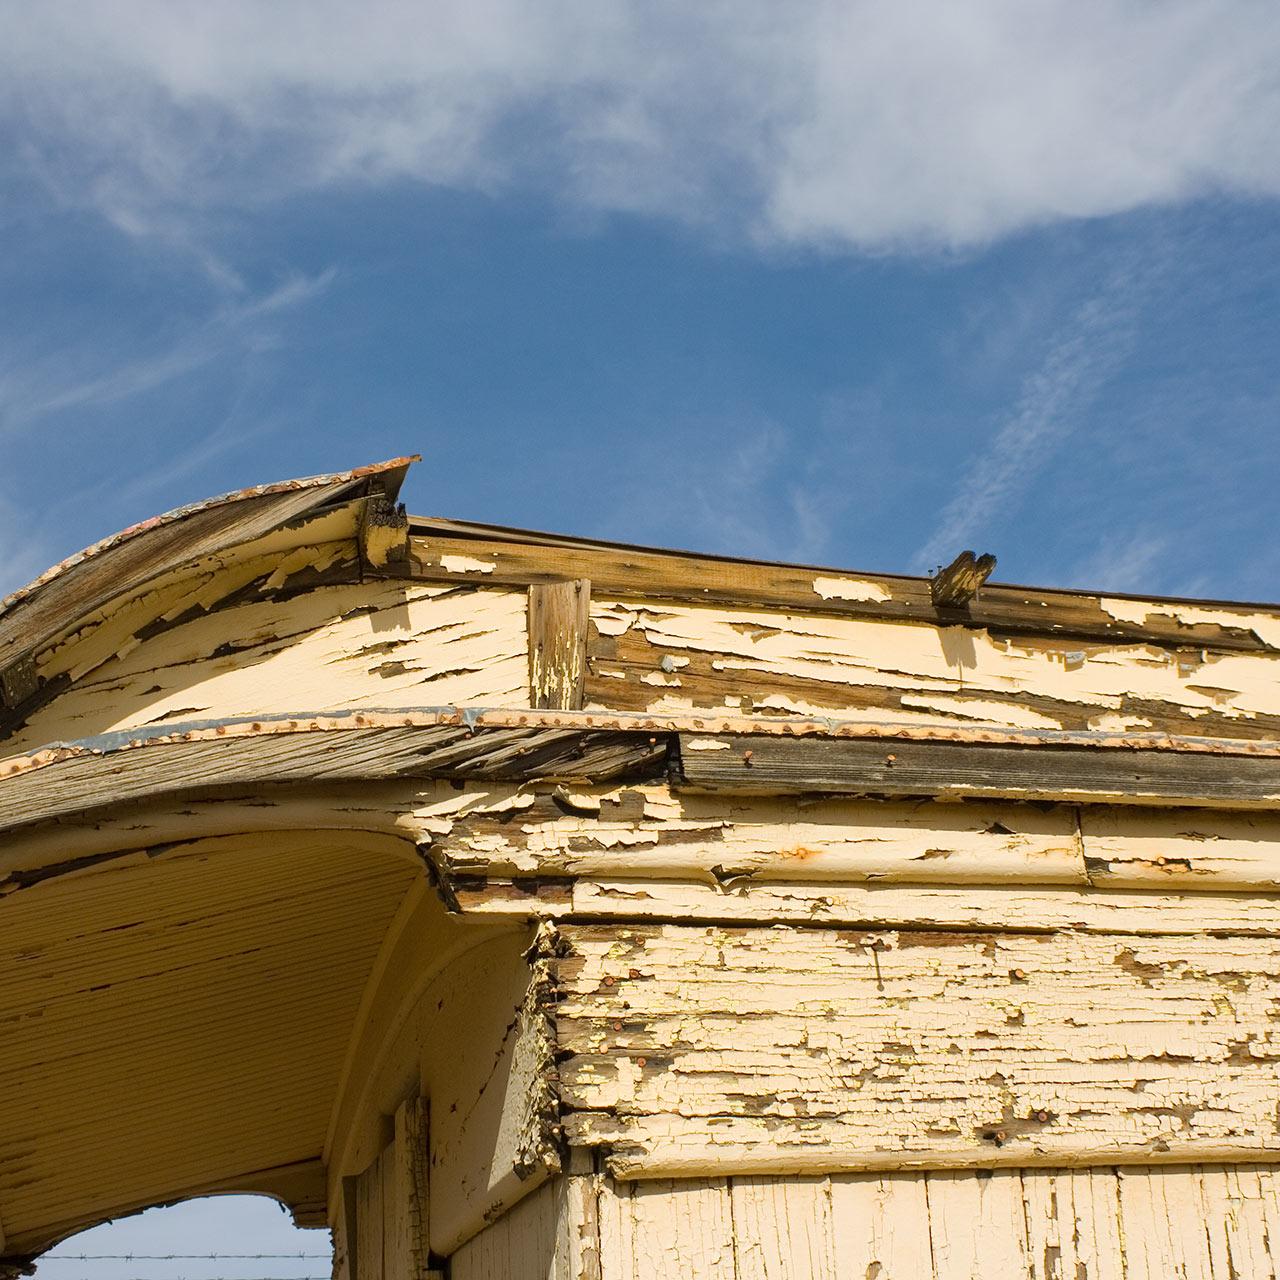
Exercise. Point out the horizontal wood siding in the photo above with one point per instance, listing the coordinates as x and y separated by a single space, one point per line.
655 656
761 765
686 1048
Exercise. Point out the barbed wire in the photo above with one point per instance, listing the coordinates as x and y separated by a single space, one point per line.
181 1257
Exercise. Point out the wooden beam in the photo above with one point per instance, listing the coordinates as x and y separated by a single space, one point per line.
956 585
384 533
558 643
508 558
777 766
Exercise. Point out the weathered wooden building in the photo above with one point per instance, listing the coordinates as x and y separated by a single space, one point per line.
526 907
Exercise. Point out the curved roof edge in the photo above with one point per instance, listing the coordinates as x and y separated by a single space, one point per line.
74 588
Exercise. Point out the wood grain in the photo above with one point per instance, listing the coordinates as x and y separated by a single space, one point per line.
558 643
771 766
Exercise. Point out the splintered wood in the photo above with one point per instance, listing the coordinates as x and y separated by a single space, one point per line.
763 1050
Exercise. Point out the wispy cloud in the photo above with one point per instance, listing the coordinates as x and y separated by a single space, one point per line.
1054 400
63 380
819 122
77 387
1124 562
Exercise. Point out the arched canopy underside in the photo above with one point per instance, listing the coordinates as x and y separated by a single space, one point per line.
179 1018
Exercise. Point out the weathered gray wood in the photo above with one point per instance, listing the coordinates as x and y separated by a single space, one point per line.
762 765
558 643
33 617
89 778
384 533
519 557
957 584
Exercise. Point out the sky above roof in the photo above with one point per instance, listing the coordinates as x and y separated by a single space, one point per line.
850 283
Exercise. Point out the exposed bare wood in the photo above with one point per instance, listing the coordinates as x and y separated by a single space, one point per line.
558 643
956 585
633 572
771 766
384 533
74 781
31 618
672 658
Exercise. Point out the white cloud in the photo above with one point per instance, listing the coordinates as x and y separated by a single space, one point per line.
881 126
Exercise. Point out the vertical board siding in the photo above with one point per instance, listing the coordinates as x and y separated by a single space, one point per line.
1161 1223
551 1234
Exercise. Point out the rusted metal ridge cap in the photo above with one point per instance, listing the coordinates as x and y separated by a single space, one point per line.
71 590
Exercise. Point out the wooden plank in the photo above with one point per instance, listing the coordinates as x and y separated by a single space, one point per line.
501 556
666 658
35 616
1180 850
404 1204
682 1228
346 1230
651 832
396 1264
667 1228
1235 1222
369 1222
1073 1224
783 1229
758 765
412 1174
688 1050
121 768
1162 1211
881 1227
932 908
977 1225
558 643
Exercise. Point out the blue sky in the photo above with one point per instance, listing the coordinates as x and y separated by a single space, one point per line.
844 283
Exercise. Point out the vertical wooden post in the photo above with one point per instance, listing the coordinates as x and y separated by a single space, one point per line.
558 614
384 1219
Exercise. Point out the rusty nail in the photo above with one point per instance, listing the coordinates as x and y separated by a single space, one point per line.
640 1062
609 980
633 973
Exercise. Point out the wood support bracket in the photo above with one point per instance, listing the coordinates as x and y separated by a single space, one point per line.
558 614
18 681
384 534
957 584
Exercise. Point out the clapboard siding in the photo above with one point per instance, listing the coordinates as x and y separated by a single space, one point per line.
819 1050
